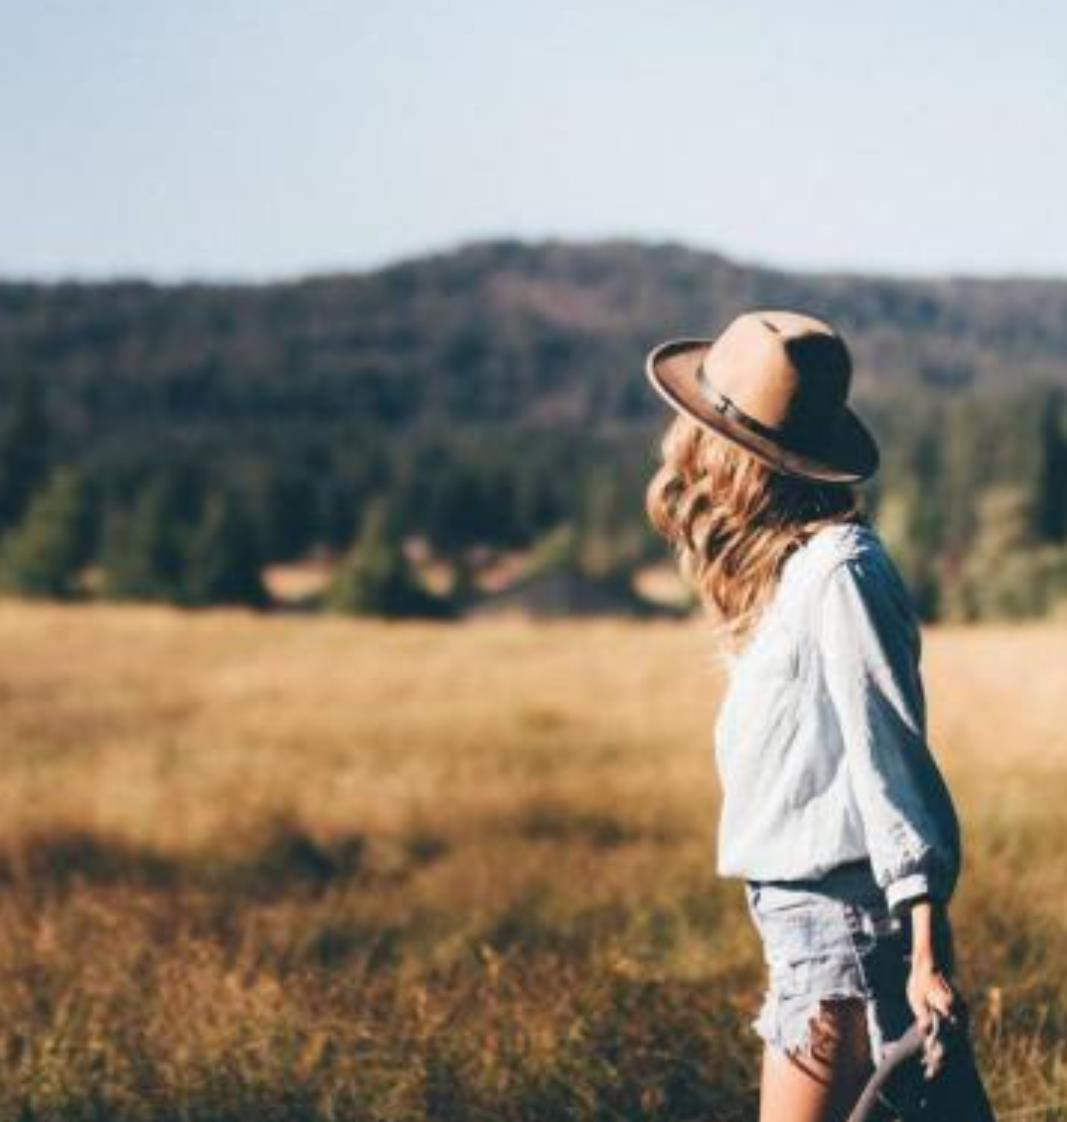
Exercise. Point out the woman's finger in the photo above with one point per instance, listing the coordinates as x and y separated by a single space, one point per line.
941 998
933 1056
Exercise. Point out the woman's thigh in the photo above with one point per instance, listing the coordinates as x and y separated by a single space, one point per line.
836 976
822 1083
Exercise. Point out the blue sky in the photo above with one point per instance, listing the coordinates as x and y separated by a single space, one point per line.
253 139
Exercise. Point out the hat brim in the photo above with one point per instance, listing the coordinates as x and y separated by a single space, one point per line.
849 455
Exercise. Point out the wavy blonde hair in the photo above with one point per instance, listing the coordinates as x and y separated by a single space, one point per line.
732 521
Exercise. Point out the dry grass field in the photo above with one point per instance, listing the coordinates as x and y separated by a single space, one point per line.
308 868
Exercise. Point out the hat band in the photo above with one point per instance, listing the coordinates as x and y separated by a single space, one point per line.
724 405
788 438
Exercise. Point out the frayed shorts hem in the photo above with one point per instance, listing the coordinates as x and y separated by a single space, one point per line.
824 941
790 1025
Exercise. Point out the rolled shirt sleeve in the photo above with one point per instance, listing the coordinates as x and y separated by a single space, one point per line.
869 644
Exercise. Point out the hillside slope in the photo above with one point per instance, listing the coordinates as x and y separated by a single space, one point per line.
525 334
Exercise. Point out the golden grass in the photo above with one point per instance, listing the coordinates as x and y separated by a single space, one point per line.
317 868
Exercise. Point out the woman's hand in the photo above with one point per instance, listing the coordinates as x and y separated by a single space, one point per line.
930 993
929 990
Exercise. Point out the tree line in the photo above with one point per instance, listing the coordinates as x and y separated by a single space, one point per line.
169 442
971 499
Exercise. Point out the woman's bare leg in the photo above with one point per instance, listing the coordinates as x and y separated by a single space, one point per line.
823 1086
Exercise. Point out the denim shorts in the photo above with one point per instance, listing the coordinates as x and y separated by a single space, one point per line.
827 938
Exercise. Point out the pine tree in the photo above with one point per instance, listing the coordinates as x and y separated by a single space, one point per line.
142 547
222 564
43 554
1004 574
374 577
24 438
1050 490
899 525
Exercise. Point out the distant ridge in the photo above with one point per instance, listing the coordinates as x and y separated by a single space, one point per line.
495 332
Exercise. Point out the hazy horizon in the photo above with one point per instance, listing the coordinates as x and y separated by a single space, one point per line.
222 279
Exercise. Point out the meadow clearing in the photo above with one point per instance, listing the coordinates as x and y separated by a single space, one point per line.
311 868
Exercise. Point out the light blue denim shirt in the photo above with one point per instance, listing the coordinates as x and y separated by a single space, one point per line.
820 740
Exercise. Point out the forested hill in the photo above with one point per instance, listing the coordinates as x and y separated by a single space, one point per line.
169 441
527 334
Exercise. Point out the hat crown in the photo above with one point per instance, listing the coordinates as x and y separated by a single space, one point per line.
788 371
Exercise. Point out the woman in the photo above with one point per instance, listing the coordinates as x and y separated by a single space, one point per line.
834 811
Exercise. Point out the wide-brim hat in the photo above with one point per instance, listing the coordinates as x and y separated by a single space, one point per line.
776 383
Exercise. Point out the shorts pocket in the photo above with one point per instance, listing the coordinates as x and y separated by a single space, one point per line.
805 946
